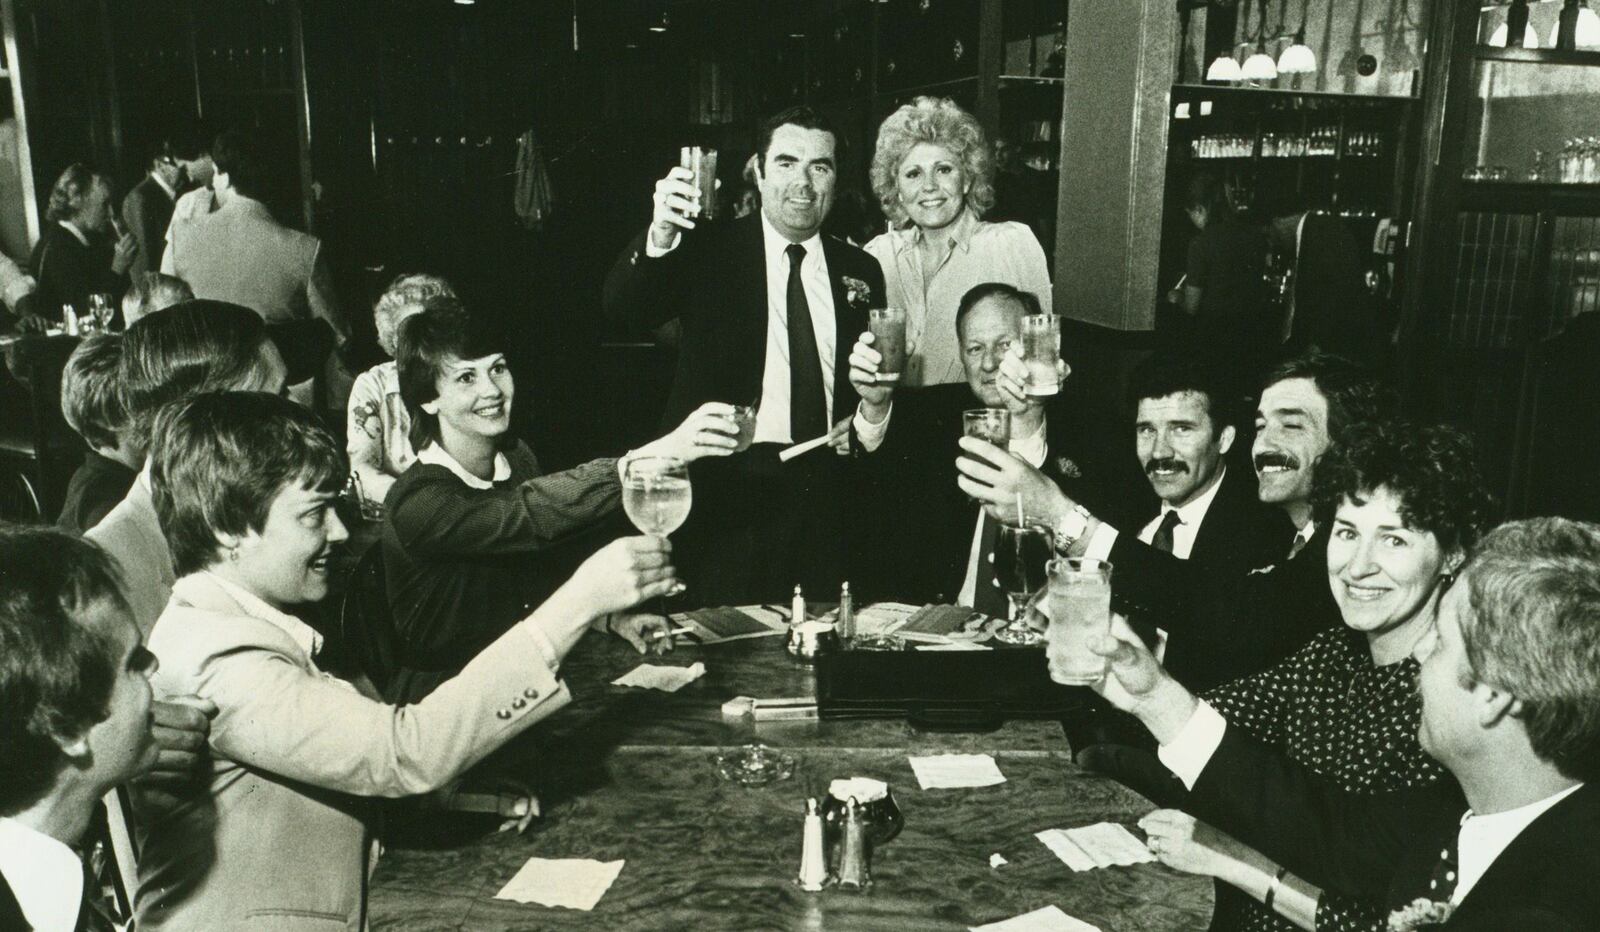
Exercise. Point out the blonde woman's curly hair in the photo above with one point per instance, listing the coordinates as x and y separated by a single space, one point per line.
405 296
69 191
942 122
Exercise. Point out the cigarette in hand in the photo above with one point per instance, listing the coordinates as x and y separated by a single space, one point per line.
670 632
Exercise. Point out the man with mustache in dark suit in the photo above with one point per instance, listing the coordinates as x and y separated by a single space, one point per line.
1226 621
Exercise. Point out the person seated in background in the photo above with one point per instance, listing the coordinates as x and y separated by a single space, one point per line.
91 402
378 429
934 177
76 719
476 533
921 539
241 254
153 292
78 253
1224 625
175 163
245 484
1509 685
187 349
1407 504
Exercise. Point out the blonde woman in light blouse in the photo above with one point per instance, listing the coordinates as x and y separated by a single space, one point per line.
933 174
378 432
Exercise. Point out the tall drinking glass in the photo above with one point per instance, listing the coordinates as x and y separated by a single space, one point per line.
1041 350
1021 558
1078 606
745 417
991 424
703 162
888 326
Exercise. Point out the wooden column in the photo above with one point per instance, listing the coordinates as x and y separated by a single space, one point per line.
1119 70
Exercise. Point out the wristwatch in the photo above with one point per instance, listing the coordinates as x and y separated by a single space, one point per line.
1071 527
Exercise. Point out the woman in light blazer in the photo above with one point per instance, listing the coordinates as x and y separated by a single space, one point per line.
278 837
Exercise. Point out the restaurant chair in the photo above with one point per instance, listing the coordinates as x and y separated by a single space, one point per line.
38 451
366 625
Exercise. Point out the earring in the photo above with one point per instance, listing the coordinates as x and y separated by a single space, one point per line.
233 554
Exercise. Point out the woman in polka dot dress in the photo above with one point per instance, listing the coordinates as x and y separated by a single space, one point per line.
1406 504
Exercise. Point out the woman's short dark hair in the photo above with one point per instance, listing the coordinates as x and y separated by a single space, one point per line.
67 194
220 460
56 673
191 347
1431 469
441 332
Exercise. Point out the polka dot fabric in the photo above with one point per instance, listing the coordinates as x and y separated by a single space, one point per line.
1332 709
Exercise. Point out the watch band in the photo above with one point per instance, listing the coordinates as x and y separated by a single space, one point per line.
1071 527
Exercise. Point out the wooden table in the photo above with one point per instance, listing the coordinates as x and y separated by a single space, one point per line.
628 774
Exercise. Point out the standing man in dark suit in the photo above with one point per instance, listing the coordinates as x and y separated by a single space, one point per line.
769 308
1510 687
921 537
147 209
1232 622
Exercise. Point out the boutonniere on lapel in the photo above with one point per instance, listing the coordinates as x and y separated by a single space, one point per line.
1420 913
1068 468
857 292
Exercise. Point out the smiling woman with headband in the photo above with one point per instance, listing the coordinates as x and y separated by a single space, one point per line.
1406 503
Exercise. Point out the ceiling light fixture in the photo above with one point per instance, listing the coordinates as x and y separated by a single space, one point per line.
1298 57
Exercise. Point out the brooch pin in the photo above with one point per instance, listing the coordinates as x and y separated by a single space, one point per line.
1068 468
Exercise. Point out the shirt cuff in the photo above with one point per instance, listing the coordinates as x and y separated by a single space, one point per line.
1031 448
652 251
868 434
1100 543
1187 754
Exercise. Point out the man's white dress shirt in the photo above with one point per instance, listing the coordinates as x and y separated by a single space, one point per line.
45 876
772 414
1183 533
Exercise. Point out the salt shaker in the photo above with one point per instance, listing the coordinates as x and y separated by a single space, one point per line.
855 871
813 854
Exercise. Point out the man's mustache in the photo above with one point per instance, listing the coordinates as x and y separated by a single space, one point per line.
1167 463
1276 458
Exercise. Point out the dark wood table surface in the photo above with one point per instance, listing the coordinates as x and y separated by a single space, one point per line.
629 774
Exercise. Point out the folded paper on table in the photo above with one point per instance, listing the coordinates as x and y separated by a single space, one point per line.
956 771
666 679
1046 919
573 883
1104 844
946 644
879 618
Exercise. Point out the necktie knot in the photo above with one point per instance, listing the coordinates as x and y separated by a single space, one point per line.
796 254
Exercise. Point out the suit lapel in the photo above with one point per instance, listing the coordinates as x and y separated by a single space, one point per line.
10 910
747 341
848 323
1530 853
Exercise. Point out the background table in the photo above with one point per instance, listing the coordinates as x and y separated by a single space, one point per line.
628 774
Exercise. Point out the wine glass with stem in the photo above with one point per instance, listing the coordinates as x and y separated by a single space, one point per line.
1021 557
656 495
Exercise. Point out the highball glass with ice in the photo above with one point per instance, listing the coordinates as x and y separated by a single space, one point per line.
1041 350
888 326
703 162
1078 606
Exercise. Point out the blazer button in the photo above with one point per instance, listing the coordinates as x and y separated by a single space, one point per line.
503 715
531 693
518 702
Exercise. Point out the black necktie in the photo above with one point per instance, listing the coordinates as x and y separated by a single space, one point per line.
93 912
987 595
1162 541
808 414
